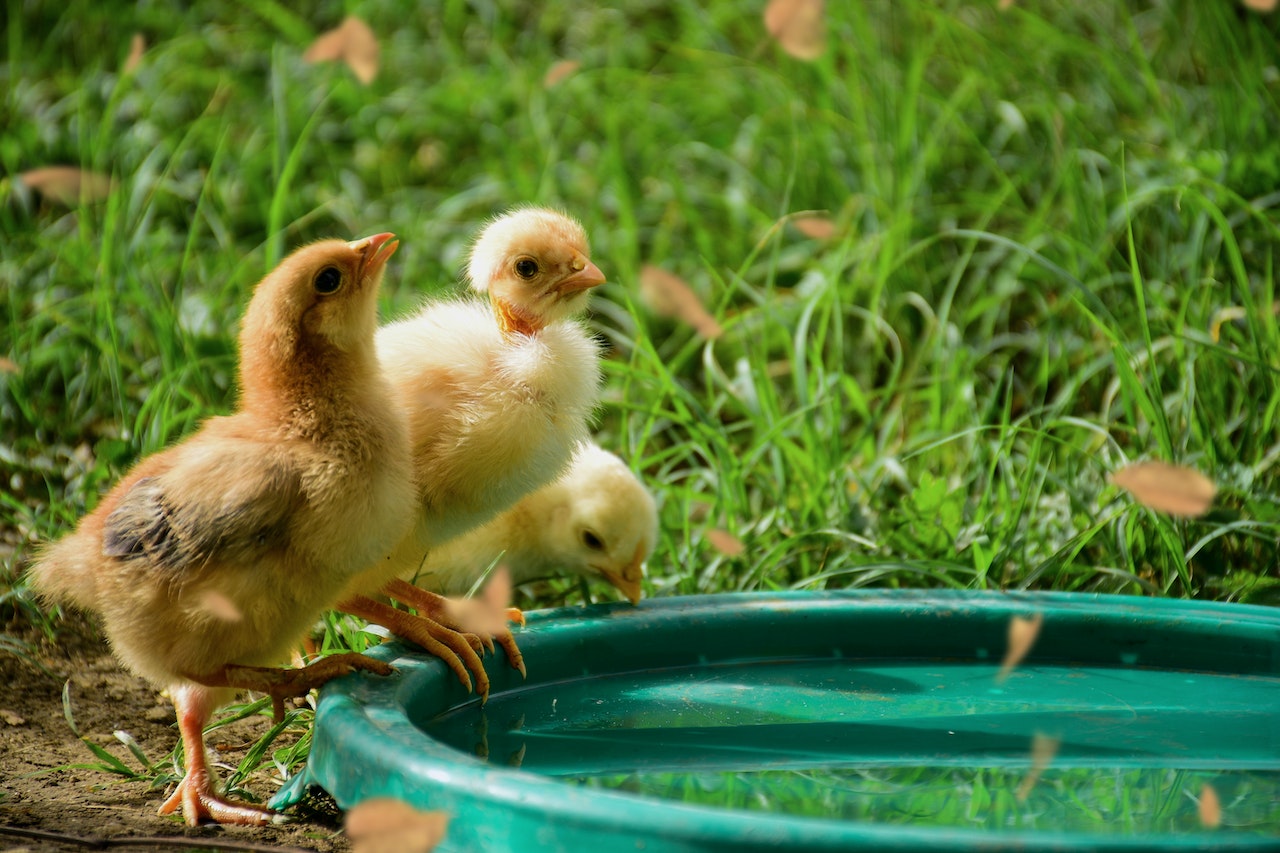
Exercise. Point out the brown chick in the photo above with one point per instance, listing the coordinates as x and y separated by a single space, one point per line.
209 560
497 396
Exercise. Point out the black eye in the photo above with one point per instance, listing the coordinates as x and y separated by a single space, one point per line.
328 280
592 541
526 268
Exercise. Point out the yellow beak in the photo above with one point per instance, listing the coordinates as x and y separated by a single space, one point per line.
628 580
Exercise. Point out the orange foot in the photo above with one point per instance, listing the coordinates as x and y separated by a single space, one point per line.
436 607
281 684
198 801
457 650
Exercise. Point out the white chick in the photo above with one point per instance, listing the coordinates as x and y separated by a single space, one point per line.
497 394
596 521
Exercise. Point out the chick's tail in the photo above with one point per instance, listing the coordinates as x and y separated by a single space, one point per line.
65 572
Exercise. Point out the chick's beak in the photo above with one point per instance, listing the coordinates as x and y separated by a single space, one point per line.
374 252
627 581
585 276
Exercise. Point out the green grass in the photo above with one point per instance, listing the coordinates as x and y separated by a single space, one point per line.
1055 255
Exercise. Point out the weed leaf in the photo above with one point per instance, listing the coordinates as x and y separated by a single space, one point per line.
815 227
799 26
1043 749
67 185
352 42
1022 636
1172 489
559 71
1209 808
725 542
387 825
668 295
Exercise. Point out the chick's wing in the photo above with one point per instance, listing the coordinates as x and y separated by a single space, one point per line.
226 505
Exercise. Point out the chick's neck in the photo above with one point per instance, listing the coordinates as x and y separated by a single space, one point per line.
307 386
513 320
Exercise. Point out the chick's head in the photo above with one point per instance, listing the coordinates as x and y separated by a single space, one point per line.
534 265
322 295
607 525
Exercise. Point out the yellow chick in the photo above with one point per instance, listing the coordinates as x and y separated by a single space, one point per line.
209 560
596 521
497 396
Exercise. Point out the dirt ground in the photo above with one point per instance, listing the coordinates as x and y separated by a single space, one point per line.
91 804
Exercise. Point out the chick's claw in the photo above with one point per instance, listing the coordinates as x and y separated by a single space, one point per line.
196 797
457 650
508 643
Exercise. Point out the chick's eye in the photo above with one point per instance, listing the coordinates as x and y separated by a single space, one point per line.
526 268
328 280
592 541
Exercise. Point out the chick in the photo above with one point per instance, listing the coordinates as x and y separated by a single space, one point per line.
596 521
497 397
209 560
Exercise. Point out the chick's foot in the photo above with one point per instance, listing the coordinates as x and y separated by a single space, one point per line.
199 802
284 683
441 610
456 649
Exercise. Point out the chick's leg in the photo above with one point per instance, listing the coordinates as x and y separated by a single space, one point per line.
287 683
436 607
445 643
195 794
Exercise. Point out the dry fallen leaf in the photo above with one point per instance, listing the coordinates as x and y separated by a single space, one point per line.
1043 749
815 227
725 542
1022 636
220 606
67 185
352 42
1173 489
799 26
1260 5
669 296
559 71
1004 5
1209 808
485 613
387 825
8 365
137 46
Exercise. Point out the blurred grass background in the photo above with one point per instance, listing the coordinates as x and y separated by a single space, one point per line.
1051 252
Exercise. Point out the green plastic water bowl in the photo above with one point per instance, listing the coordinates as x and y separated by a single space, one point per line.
833 721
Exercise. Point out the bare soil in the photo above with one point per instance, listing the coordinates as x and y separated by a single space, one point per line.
39 793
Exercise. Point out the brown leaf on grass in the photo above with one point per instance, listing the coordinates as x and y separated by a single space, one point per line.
1004 5
725 542
559 71
8 365
1173 489
668 295
799 26
1260 5
1209 808
67 185
352 42
485 613
387 825
1022 636
137 47
220 606
1043 749
815 227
